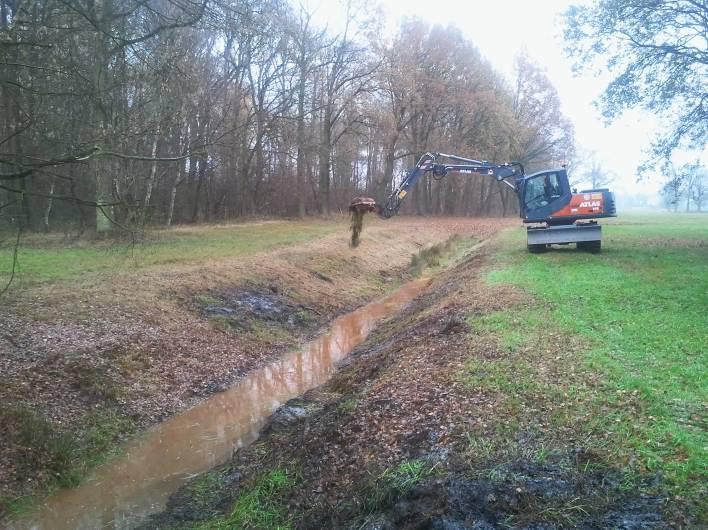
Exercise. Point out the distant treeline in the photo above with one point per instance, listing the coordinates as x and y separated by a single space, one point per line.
132 113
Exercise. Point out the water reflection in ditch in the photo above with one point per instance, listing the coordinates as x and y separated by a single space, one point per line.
123 492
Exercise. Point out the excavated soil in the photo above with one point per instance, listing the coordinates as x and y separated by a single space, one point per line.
356 226
147 343
403 397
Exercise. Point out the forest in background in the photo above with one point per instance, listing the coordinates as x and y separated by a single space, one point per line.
132 113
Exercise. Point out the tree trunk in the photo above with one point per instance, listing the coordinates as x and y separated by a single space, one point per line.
151 180
173 193
48 210
504 201
325 162
389 162
689 188
481 207
104 187
197 194
300 181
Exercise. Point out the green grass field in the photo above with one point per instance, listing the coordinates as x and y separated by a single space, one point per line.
640 311
43 259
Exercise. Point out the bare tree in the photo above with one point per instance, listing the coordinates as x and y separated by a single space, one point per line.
126 113
347 74
657 52
699 189
593 172
309 43
694 184
678 185
544 135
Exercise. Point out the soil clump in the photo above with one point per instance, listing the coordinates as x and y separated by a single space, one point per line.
356 227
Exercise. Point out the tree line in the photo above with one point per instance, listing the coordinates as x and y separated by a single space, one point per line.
686 187
133 113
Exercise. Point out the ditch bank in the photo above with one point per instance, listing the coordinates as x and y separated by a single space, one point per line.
153 466
434 422
88 365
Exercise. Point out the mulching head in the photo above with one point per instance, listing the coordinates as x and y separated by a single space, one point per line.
358 207
362 204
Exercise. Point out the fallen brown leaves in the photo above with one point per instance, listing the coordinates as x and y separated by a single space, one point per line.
430 386
134 341
397 398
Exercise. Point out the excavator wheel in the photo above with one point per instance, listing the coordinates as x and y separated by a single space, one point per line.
536 249
593 247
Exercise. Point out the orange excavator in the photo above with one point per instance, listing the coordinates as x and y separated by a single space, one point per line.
554 214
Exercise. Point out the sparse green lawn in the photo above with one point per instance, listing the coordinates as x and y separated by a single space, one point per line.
258 506
44 259
66 457
639 311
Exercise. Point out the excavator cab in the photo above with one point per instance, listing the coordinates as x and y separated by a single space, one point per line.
557 216
543 193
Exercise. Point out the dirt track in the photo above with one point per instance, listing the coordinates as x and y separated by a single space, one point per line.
147 343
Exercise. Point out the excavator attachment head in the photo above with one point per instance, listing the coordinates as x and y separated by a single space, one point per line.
358 207
362 204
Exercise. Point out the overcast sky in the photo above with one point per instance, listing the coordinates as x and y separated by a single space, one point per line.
503 28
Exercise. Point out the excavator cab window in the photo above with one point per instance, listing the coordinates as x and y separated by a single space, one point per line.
541 190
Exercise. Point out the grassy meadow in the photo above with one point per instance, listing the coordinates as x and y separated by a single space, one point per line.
636 385
49 258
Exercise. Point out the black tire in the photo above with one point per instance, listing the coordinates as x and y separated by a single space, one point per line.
536 249
594 247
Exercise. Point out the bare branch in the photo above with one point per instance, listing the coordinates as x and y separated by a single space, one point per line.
69 198
29 169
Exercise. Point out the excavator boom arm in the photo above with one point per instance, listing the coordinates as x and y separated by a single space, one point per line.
555 213
431 163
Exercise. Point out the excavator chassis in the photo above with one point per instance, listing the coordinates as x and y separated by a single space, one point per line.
587 236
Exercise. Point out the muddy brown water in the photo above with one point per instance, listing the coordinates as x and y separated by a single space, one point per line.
125 491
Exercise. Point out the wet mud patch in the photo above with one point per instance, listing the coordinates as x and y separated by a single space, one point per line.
263 311
522 494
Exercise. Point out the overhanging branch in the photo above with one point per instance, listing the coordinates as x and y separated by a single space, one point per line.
26 170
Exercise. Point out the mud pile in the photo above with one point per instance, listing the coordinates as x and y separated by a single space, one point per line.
241 307
514 497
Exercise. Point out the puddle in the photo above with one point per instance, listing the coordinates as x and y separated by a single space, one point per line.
123 492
